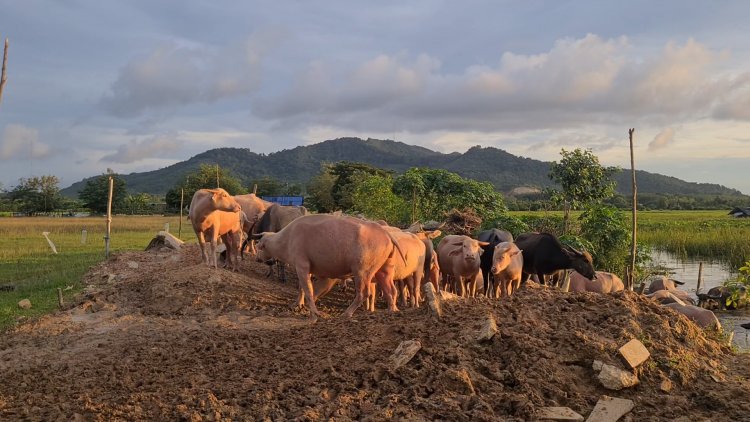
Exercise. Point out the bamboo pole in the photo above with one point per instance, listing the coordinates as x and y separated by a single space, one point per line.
109 219
631 276
217 177
255 189
3 75
59 298
182 200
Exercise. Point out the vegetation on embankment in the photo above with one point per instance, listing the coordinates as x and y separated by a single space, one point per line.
28 266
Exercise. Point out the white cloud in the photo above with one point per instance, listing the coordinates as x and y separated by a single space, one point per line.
179 74
148 148
21 142
662 140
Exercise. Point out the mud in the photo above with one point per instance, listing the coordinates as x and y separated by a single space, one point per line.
170 339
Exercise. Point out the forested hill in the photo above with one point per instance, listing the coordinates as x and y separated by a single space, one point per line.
504 170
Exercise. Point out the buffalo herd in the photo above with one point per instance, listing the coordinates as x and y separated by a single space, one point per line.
324 249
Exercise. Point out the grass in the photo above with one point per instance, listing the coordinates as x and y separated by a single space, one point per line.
27 261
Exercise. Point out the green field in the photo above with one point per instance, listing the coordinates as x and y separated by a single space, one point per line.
27 261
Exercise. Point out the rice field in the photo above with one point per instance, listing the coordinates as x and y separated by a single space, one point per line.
28 264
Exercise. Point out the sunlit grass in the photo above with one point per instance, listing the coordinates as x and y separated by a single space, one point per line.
28 264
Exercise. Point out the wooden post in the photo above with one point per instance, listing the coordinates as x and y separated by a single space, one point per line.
631 277
109 219
255 189
413 204
700 278
217 177
3 76
59 298
182 200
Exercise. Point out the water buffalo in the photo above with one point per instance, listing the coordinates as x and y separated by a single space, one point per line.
665 297
702 317
458 257
253 207
663 283
506 268
719 295
408 273
273 220
604 283
544 254
493 237
213 214
335 247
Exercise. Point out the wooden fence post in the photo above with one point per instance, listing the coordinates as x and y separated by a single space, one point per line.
109 219
700 278
631 276
182 200
3 76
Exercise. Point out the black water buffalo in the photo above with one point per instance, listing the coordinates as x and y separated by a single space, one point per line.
275 218
544 254
494 237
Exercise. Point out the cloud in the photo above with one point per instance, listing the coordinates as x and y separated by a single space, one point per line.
176 75
662 139
148 148
576 82
21 142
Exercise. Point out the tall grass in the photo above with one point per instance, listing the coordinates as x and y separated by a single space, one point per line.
28 264
697 234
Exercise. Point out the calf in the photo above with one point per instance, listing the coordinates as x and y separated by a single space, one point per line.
493 237
507 268
458 257
213 214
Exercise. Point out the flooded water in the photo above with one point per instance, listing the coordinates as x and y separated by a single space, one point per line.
714 274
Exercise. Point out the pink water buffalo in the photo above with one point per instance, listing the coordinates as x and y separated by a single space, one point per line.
506 270
603 283
213 214
335 247
459 258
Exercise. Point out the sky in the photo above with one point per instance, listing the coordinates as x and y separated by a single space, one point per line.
139 85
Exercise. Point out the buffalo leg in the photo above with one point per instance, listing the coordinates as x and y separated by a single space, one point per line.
361 290
305 285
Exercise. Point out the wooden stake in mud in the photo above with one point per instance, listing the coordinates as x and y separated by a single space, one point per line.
3 76
59 298
217 177
255 189
631 278
700 278
109 219
182 200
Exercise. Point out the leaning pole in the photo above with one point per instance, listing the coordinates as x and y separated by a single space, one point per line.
631 277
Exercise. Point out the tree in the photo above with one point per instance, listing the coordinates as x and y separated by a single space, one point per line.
433 192
344 172
96 192
372 195
269 186
37 194
582 179
320 190
203 178
137 203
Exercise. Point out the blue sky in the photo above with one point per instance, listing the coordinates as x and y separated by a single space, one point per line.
139 85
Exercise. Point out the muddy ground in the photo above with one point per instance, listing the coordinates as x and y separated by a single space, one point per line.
158 336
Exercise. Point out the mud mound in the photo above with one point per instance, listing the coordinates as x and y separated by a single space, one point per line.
157 336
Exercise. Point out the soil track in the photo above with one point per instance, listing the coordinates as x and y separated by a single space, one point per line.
158 336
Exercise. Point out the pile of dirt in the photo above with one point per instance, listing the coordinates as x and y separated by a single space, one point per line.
159 336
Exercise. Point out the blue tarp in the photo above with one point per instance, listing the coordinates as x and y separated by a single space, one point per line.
285 200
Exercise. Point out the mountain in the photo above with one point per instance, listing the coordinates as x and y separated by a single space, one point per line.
504 170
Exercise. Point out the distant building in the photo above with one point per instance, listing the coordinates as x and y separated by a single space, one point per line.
285 200
740 212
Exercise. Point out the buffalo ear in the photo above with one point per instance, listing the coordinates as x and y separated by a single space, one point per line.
433 234
516 252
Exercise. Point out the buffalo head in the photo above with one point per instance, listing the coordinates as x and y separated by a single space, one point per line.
581 262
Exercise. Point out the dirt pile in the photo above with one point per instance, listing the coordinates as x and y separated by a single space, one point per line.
158 336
